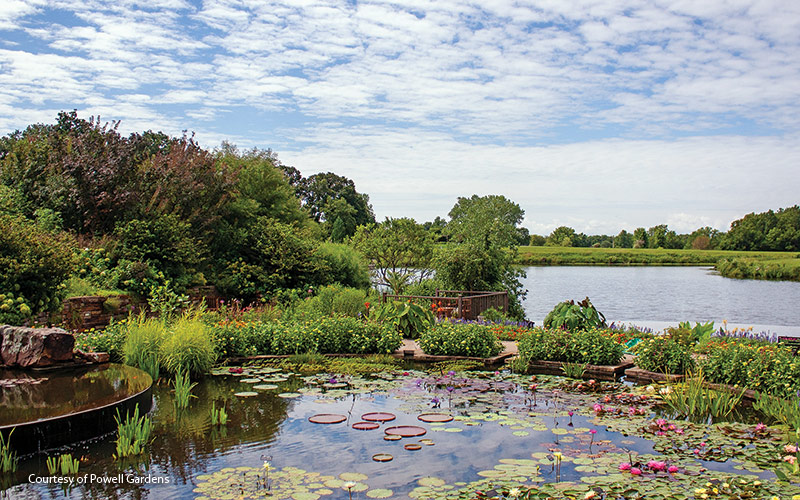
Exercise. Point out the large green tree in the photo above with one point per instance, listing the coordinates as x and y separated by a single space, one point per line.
329 197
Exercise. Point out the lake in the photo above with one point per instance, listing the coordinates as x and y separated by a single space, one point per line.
663 296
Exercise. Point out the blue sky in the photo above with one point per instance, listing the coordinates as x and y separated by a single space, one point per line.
600 115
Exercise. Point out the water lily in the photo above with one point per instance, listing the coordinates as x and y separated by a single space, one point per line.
672 469
636 471
625 466
513 492
656 465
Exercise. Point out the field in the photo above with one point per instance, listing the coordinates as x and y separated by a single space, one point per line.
566 256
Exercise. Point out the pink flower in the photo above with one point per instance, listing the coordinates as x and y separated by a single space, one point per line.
672 469
790 448
592 431
702 444
656 465
659 433
696 451
679 431
624 466
760 427
570 413
671 427
636 471
790 458
598 407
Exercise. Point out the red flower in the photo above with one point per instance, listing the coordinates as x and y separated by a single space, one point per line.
366 304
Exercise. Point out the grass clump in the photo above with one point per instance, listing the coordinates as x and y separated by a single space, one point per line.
64 464
183 389
143 344
188 346
133 434
218 415
693 399
8 458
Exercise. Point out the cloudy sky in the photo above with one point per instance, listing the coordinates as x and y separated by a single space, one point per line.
600 115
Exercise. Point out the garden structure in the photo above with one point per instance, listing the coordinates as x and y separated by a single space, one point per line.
463 304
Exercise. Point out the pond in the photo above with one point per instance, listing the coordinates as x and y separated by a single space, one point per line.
662 296
502 429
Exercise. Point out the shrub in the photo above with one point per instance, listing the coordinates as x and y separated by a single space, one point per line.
243 338
188 346
663 354
409 319
342 264
333 299
573 317
455 339
110 340
591 346
33 267
764 367
143 343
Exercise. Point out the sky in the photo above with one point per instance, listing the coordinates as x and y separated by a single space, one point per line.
599 115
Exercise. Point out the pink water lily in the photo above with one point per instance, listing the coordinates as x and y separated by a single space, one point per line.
657 465
636 471
624 466
672 469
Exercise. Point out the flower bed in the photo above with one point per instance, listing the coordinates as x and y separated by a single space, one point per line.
590 346
460 339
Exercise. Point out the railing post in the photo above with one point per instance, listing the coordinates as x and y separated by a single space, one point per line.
383 297
460 308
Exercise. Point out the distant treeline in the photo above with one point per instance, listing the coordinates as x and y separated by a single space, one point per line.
767 231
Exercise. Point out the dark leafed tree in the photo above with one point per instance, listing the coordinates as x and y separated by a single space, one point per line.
321 195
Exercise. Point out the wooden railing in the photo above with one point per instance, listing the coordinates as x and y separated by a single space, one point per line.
465 304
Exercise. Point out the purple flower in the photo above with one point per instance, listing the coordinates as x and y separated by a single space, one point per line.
451 373
449 388
332 380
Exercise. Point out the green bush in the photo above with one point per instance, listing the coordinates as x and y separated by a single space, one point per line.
460 339
665 355
590 346
188 346
574 317
333 299
33 267
763 367
409 319
329 335
342 264
143 342
110 340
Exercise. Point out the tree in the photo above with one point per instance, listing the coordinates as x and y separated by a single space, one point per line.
396 247
623 240
561 236
320 194
640 238
537 240
777 231
486 221
483 240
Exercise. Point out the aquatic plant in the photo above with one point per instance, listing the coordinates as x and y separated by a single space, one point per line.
574 370
695 400
218 415
573 317
8 458
64 464
133 434
785 411
183 389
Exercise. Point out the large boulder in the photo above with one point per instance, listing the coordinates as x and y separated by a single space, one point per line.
34 347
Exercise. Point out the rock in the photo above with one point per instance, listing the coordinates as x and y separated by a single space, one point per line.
34 347
93 357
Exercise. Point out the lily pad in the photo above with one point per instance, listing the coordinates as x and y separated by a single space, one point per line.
289 395
379 493
431 481
406 430
327 418
265 387
365 426
246 394
382 457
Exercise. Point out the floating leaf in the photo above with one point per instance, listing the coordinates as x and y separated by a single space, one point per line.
246 394
431 481
379 493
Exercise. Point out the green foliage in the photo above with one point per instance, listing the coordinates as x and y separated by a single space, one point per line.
776 231
574 317
574 370
164 243
664 355
33 267
64 465
342 264
761 366
694 400
460 339
329 335
396 246
218 415
783 411
748 268
328 196
333 299
142 344
133 434
689 335
182 387
165 302
188 346
407 318
110 340
592 346
8 458
486 221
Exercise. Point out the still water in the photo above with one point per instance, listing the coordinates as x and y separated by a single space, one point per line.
662 296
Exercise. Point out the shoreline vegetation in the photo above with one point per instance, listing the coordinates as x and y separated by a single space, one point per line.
729 263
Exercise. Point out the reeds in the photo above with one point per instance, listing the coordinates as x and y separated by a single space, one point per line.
133 434
64 464
693 399
183 389
8 458
574 370
218 415
785 411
